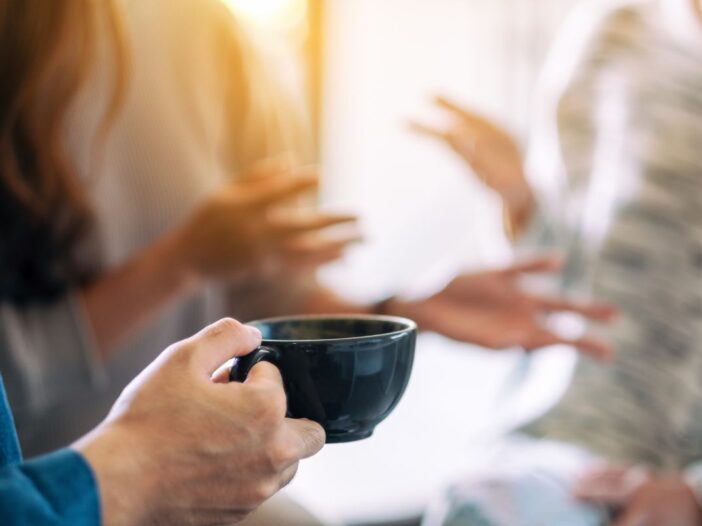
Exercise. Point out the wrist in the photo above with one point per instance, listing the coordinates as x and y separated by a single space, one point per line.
122 475
394 306
383 307
171 255
519 205
518 198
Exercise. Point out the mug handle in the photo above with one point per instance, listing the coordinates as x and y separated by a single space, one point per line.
244 364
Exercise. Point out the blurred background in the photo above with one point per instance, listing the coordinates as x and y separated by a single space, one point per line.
366 67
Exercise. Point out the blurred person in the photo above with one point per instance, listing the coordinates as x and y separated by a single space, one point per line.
159 237
124 122
178 447
618 133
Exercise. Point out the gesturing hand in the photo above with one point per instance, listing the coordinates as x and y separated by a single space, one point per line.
180 448
242 230
489 150
641 498
491 309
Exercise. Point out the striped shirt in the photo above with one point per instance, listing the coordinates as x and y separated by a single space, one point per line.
627 126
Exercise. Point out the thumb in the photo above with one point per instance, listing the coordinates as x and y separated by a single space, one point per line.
219 342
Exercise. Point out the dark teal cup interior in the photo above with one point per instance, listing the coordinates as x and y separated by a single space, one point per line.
346 372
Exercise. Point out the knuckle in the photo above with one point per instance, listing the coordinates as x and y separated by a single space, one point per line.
180 353
225 326
280 456
269 402
262 492
290 475
267 416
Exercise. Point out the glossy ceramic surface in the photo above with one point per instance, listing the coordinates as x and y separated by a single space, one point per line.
345 372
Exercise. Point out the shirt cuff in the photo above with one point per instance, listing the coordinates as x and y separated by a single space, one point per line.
59 488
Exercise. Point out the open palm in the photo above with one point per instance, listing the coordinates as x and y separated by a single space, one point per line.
492 309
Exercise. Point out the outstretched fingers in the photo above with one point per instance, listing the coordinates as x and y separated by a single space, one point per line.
597 311
467 117
539 265
292 225
586 345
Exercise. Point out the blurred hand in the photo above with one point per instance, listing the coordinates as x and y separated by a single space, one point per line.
180 449
641 498
490 151
490 309
243 230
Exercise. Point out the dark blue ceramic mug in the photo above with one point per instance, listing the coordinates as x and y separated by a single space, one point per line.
346 372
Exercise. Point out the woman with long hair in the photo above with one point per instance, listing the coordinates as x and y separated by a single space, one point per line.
122 228
117 207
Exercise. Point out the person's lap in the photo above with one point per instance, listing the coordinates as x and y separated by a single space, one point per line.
524 482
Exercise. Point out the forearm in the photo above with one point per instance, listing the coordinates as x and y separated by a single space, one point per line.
126 299
518 212
320 300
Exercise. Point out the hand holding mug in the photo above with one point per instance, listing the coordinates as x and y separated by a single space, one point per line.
243 230
179 448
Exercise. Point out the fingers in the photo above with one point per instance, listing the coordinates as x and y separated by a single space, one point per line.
467 117
598 491
221 375
425 129
272 190
265 375
305 253
609 485
307 436
221 341
288 475
632 516
594 348
273 167
301 225
594 310
539 265
588 346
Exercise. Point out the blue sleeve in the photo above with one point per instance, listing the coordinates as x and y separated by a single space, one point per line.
54 490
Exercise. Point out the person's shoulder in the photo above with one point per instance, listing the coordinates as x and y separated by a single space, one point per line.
596 33
603 26
186 20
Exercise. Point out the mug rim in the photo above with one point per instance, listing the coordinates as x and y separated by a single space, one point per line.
409 325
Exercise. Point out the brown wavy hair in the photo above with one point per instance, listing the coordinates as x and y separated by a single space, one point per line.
47 50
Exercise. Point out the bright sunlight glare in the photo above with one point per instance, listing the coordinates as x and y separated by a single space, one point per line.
278 14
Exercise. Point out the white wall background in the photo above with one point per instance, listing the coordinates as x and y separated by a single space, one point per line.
385 60
424 217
